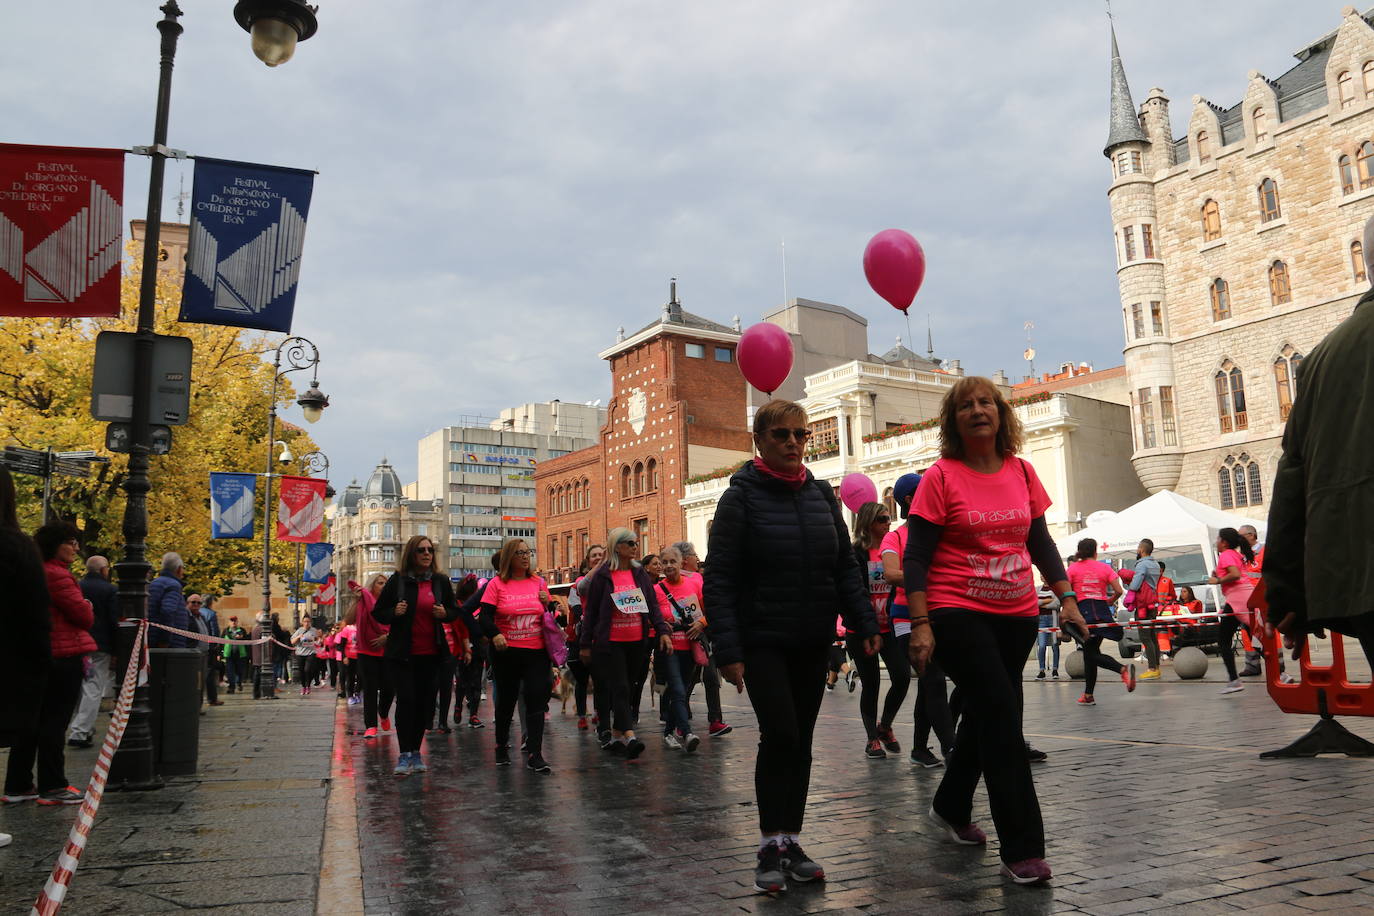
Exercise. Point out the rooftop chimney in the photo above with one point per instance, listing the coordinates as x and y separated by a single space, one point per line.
674 309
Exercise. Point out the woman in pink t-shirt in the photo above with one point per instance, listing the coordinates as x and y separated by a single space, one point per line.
1234 554
512 616
618 616
1097 587
977 523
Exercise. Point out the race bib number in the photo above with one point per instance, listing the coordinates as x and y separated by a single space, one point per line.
630 601
878 589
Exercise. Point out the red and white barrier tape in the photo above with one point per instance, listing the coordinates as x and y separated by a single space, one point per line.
219 640
1150 623
55 889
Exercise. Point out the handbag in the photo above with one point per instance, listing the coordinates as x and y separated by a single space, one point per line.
555 640
700 654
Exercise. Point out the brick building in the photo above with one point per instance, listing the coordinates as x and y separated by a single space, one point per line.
1238 249
678 407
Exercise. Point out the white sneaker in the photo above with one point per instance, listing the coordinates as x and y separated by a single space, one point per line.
691 742
6 839
670 741
1233 687
1287 678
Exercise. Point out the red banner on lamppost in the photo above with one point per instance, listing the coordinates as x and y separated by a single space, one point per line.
61 217
328 593
300 509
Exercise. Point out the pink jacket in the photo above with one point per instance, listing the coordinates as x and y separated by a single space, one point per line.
72 616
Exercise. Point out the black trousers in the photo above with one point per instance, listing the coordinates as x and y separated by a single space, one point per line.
1094 658
517 673
377 689
413 680
581 675
898 672
786 686
1226 634
470 683
56 704
447 671
617 666
932 706
984 655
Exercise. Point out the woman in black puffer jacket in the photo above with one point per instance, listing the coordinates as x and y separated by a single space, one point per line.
779 568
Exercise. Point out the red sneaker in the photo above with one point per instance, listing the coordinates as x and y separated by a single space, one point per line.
370 733
582 723
1128 678
386 724
1087 700
719 729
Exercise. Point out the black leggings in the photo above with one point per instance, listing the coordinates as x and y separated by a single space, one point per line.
377 690
470 684
580 678
1226 634
616 666
413 680
521 672
932 706
1094 658
447 670
786 686
898 671
57 697
984 655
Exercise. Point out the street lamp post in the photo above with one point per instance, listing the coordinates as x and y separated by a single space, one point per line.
133 764
300 354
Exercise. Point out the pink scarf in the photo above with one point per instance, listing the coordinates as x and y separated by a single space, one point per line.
795 481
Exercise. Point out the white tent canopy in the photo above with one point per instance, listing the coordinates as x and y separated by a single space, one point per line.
1179 527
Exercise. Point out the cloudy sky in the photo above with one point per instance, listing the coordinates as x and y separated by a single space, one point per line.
503 184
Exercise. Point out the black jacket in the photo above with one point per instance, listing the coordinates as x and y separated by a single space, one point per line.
598 609
26 650
104 599
780 567
398 640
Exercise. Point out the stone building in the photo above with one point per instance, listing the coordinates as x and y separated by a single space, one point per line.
372 523
1238 249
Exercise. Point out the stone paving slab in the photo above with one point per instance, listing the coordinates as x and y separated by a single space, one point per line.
241 836
1154 803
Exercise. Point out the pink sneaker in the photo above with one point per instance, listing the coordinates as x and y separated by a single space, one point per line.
1128 678
370 733
1027 871
967 835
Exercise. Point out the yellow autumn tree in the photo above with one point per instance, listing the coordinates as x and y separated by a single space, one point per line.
46 368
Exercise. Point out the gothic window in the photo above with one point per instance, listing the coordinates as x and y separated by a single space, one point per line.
1286 379
1147 240
1279 289
1347 175
625 482
1357 262
1221 299
1157 319
1269 200
1369 79
1147 418
1240 483
1137 322
1166 414
1345 89
1128 242
1261 122
1204 147
1230 391
1364 164
1211 221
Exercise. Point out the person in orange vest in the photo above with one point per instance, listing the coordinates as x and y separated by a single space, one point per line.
1165 588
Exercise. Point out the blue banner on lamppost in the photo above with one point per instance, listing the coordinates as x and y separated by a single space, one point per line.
246 239
231 505
318 559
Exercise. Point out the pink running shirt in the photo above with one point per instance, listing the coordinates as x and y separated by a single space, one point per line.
1089 578
519 614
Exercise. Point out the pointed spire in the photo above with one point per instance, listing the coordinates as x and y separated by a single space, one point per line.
1125 123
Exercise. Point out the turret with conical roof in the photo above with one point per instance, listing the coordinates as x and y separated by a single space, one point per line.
1125 122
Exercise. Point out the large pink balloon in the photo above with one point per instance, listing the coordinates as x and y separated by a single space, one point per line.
857 489
895 266
765 356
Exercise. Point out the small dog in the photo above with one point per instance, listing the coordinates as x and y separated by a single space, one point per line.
563 686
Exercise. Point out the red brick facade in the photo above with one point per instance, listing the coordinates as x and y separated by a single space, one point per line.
663 401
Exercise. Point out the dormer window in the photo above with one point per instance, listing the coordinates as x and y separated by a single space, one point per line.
1261 122
1345 89
1204 147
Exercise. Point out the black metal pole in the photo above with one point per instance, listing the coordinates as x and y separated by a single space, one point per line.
133 765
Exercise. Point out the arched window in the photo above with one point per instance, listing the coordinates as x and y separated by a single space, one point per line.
1230 391
1261 122
1369 79
652 469
1204 147
1221 299
1269 200
639 478
1279 289
1239 479
553 501
1345 89
1211 221
625 481
586 493
1357 262
1286 379
1347 171
1364 164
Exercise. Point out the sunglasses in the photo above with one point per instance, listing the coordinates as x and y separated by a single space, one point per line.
883 520
424 550
781 434
522 553
631 543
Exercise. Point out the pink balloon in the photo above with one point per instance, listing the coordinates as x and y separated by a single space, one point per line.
857 489
895 266
765 356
